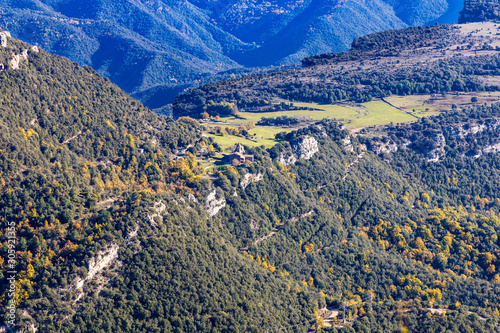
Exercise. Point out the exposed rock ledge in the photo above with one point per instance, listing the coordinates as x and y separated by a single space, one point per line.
287 158
250 178
17 58
305 147
381 148
4 35
158 208
214 205
436 154
97 264
492 149
348 144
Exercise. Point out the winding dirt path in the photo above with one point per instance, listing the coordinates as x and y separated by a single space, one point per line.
278 227
349 167
72 138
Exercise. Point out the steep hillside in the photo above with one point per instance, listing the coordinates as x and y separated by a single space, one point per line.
351 216
292 30
287 31
94 202
125 221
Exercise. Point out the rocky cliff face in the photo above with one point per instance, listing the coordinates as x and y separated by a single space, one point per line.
214 205
472 138
304 147
480 10
4 35
381 148
16 59
250 178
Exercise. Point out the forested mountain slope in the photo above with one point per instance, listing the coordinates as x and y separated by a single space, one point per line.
87 180
124 223
155 49
420 60
289 30
138 45
350 222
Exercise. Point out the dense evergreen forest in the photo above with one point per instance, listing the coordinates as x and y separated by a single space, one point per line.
82 166
119 229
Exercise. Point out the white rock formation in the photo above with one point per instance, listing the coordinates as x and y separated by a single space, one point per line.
492 149
17 58
159 208
348 144
250 178
192 198
306 147
287 158
438 152
254 225
214 205
322 130
4 35
132 234
389 147
98 264
464 130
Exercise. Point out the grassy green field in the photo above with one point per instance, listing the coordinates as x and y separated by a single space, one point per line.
323 111
267 131
228 140
352 115
428 105
362 115
380 113
330 111
414 104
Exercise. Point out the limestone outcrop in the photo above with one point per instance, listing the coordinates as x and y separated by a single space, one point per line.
214 205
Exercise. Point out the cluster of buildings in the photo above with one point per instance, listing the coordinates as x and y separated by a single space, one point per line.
238 156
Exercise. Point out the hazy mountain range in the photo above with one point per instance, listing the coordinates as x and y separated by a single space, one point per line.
154 49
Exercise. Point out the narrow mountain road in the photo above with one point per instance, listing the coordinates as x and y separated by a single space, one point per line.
278 227
72 138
